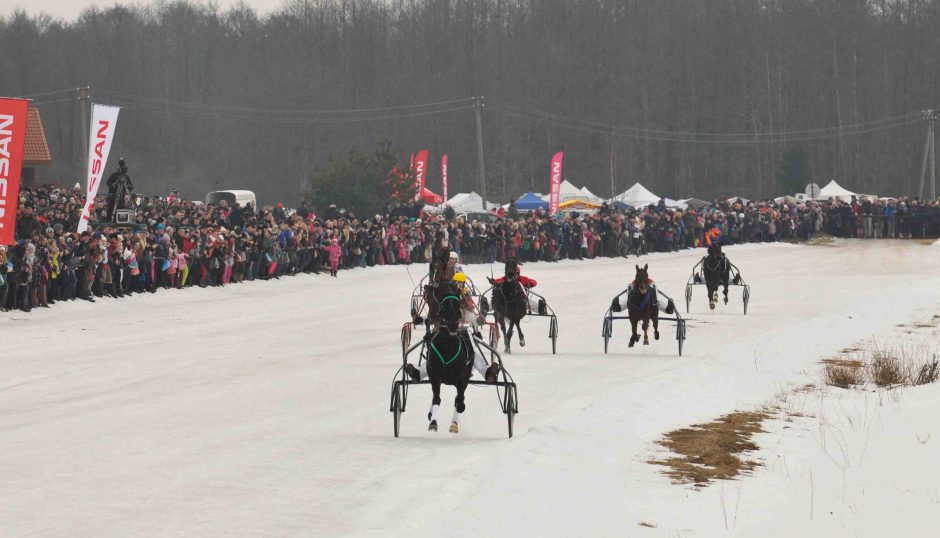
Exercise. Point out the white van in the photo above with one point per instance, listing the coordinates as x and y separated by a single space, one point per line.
232 197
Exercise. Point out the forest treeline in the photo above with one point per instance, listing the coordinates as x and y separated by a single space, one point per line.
691 97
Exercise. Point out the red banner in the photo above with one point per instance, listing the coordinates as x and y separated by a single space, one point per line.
555 192
12 138
421 169
444 175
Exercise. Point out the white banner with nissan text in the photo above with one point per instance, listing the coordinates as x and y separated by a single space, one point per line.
103 120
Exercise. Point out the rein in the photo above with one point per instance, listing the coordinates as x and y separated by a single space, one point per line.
457 354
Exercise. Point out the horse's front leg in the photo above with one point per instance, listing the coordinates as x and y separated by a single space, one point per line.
712 295
655 319
521 336
506 334
459 407
726 283
435 403
635 337
646 335
509 336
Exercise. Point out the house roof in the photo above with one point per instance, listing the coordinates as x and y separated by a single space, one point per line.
36 149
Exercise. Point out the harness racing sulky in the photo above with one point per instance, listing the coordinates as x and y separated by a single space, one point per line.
641 301
714 271
512 300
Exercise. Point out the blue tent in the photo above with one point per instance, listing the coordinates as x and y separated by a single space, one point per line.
531 202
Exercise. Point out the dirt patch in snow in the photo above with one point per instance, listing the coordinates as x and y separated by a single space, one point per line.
714 450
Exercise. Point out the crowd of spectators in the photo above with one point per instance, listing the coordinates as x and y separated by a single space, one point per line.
177 243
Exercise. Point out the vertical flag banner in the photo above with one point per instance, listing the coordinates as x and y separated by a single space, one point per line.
12 139
421 170
444 175
103 121
555 192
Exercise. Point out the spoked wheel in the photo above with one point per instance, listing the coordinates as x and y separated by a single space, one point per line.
605 332
553 332
510 409
747 297
396 408
405 339
688 297
680 334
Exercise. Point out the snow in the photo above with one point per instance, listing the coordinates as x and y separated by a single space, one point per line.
262 409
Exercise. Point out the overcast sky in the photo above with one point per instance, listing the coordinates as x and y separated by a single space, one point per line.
69 9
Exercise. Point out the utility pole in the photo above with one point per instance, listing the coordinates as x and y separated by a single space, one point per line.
612 192
84 95
478 106
929 158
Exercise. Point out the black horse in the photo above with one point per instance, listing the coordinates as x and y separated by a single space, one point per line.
642 305
717 271
510 303
450 355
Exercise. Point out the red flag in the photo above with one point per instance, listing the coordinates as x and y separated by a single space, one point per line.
444 174
555 192
12 138
421 169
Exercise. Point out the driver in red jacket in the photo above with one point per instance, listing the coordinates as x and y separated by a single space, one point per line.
514 272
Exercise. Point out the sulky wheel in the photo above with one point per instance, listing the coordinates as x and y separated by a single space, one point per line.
553 332
688 297
510 409
405 339
680 334
396 409
605 332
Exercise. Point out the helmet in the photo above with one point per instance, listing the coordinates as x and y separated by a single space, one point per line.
460 277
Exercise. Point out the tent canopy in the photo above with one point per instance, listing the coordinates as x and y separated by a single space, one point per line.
637 196
834 190
577 204
695 203
568 191
431 197
530 202
469 202
590 196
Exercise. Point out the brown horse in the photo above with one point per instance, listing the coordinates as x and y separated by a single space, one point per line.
643 306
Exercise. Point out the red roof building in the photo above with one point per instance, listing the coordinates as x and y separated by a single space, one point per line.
36 148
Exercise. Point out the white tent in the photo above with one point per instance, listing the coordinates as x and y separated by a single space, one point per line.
469 202
636 196
676 204
590 196
568 191
834 190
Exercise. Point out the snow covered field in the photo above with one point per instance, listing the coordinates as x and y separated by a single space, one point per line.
262 410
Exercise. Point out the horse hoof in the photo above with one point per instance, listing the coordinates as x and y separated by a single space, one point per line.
521 342
454 428
632 343
646 341
656 335
711 306
726 300
432 427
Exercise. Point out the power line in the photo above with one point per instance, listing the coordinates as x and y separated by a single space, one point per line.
112 94
556 120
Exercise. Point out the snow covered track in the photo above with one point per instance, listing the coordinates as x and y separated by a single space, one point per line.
262 409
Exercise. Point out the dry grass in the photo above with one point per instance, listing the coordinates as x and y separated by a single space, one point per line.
928 373
884 366
843 376
647 524
888 370
711 451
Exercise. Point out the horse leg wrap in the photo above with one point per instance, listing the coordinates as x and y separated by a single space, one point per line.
457 417
434 409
